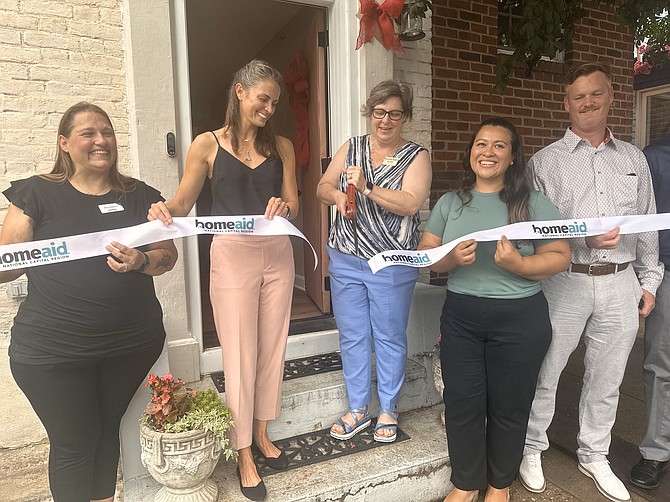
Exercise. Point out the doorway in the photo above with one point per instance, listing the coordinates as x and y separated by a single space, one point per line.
221 39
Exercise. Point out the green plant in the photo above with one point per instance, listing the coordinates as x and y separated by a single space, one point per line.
547 27
175 408
417 8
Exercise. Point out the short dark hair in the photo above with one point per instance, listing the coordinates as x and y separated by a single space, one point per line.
389 89
583 69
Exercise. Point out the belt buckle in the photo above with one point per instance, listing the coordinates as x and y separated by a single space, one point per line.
592 267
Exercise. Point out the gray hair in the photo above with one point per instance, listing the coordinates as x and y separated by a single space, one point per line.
389 89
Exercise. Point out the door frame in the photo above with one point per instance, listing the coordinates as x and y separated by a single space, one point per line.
351 75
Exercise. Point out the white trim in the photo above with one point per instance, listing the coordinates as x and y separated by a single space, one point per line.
351 76
641 126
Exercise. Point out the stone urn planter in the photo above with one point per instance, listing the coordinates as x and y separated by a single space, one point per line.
182 462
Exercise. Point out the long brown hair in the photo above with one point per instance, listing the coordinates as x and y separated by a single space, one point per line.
516 189
248 76
63 168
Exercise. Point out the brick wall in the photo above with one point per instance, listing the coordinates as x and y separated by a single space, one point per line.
54 53
464 61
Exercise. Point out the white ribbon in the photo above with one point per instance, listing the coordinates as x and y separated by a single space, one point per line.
76 247
527 230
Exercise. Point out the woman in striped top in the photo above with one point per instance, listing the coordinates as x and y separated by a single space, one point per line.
392 178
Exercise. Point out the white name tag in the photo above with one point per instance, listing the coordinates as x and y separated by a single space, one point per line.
112 207
390 161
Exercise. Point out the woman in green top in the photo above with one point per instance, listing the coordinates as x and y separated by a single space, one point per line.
495 327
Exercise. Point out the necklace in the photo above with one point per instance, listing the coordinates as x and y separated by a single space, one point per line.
248 144
80 188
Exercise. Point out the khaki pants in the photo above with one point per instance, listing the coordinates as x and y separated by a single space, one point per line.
251 290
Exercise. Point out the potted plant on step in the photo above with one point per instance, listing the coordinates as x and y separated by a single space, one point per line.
183 434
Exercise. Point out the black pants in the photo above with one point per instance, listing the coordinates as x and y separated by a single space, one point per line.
491 352
81 404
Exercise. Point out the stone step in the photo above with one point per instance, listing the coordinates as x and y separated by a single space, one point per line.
315 402
417 469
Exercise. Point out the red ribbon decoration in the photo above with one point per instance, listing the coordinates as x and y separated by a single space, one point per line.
384 14
296 80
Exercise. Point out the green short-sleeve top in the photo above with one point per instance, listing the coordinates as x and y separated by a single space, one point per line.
450 220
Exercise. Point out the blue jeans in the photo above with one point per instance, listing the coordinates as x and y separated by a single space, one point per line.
371 309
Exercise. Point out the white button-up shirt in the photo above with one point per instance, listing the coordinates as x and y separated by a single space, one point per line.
612 179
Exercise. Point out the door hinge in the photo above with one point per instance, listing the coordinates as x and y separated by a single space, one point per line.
325 162
322 37
326 283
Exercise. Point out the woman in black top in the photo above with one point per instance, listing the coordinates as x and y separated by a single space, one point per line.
252 172
89 330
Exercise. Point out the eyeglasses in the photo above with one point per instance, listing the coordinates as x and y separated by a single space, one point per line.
379 113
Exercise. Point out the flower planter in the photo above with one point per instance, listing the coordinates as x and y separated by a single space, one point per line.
182 462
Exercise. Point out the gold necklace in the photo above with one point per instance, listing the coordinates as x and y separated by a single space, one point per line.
248 143
80 188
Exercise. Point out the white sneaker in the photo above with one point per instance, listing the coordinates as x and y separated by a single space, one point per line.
530 473
606 481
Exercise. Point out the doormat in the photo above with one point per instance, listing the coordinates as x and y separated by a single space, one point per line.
295 368
319 446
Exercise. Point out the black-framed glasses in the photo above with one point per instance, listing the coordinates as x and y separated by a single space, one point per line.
380 113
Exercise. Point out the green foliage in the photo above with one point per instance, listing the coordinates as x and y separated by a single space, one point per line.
548 26
174 408
418 8
210 414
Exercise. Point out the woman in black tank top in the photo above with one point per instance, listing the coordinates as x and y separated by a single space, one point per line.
252 172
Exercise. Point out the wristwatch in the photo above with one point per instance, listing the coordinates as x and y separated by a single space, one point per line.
368 189
145 264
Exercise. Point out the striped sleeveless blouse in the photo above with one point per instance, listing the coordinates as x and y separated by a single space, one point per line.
377 229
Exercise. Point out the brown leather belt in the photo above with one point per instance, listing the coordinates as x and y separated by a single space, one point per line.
599 269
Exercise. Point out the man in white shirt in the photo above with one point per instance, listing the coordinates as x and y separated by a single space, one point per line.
612 280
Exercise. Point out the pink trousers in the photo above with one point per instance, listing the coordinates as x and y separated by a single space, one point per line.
251 290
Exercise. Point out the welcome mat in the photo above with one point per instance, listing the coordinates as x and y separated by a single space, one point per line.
315 447
295 368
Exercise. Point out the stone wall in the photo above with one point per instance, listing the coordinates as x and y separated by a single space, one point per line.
54 53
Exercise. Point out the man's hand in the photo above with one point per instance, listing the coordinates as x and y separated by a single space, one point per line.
648 302
610 240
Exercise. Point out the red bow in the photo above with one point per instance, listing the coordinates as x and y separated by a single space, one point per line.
384 14
296 79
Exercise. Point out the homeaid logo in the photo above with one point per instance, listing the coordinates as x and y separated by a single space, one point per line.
241 226
573 230
418 259
35 256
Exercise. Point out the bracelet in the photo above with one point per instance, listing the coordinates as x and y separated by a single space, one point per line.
145 264
288 212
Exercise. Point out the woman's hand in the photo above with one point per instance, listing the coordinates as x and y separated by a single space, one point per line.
463 254
129 258
507 256
159 211
355 177
277 207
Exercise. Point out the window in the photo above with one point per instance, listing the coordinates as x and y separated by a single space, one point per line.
653 115
510 15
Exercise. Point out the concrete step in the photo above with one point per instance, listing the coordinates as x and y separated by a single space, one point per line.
315 402
417 470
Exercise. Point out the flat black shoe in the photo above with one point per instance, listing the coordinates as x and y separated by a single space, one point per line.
277 463
647 474
257 492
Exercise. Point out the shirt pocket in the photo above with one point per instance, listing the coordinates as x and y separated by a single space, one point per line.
624 193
